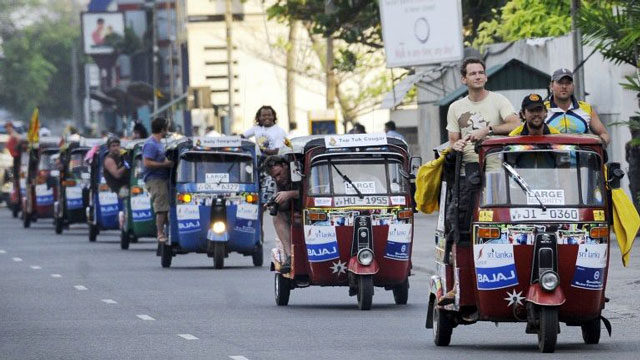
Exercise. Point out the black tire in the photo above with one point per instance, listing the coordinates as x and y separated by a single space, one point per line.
218 255
282 288
124 239
442 328
258 256
58 224
548 330
26 220
365 292
166 255
93 232
401 293
591 331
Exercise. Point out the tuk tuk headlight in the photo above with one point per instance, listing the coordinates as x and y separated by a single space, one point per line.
549 280
219 227
365 257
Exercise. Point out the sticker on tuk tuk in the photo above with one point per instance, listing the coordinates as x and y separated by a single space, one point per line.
590 267
216 178
344 201
231 187
398 200
598 215
107 198
322 201
495 266
365 187
322 243
547 197
338 141
247 211
399 242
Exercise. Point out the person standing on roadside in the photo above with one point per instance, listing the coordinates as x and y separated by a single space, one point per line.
569 115
155 170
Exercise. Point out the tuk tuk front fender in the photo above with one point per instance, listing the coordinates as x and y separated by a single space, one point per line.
539 296
355 267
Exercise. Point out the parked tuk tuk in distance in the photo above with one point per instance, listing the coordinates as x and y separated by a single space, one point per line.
104 205
139 219
214 200
536 249
355 227
73 184
19 184
42 174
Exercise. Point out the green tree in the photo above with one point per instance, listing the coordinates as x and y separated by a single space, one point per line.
520 19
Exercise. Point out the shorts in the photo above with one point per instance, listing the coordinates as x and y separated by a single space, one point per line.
159 190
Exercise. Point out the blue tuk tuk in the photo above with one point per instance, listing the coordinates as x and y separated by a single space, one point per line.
103 212
214 200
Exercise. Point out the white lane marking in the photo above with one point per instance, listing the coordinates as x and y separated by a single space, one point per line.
36 267
109 301
17 259
145 317
80 287
238 357
56 275
2 251
188 337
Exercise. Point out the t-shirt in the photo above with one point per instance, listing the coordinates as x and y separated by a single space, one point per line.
465 116
154 150
269 138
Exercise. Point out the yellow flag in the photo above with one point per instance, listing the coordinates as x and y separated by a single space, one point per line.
34 128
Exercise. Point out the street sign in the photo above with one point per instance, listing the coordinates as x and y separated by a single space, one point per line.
421 32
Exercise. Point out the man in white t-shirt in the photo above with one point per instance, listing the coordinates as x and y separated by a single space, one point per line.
269 136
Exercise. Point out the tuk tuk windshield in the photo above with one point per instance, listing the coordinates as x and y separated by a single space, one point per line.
370 175
558 178
215 168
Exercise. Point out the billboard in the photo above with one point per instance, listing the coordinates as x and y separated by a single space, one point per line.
96 27
421 32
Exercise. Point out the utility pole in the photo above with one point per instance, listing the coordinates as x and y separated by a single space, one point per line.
576 37
228 19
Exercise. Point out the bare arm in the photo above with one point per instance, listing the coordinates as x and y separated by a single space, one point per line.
112 168
597 127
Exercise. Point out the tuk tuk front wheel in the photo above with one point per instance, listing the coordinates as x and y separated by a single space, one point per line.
442 328
591 331
365 292
548 330
124 239
401 293
218 255
258 256
165 255
282 289
58 223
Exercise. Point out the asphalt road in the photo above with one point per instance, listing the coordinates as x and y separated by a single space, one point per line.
62 297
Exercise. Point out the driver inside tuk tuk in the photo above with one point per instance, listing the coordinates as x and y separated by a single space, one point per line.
278 168
116 168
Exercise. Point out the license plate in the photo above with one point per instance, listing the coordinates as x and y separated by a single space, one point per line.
536 214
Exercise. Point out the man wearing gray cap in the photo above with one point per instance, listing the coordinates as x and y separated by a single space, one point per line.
569 115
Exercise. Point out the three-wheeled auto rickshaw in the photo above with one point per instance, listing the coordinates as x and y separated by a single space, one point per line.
214 200
104 205
42 174
73 184
355 227
139 218
536 246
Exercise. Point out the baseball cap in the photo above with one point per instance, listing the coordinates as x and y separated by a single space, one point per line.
532 101
560 73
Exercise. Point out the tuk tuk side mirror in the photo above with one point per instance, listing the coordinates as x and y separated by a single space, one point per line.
296 175
414 164
614 174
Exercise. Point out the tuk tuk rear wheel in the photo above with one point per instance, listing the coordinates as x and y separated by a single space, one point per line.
442 328
165 255
218 255
258 256
365 292
282 289
124 239
93 232
58 223
548 330
591 331
401 293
